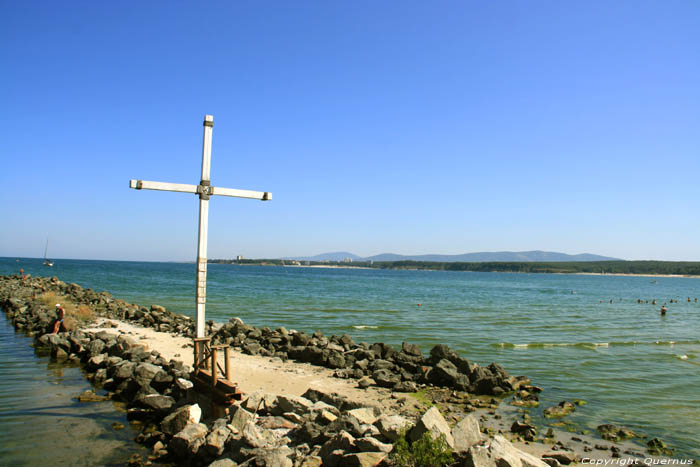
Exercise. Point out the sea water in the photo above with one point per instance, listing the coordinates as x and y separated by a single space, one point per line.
576 336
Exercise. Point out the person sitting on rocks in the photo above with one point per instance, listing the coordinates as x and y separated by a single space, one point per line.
60 315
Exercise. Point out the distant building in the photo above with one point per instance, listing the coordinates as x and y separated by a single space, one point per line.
239 258
347 260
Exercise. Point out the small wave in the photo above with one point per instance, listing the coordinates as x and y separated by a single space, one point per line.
588 345
365 326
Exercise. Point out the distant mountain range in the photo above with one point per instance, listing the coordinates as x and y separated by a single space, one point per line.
482 257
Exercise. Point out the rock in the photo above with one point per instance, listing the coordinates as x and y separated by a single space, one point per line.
391 426
188 441
433 421
363 459
343 442
90 396
215 441
527 431
405 386
563 457
504 454
562 410
223 463
157 402
146 371
240 418
311 461
365 415
466 433
296 404
385 378
615 433
369 444
656 447
258 437
273 457
411 349
180 418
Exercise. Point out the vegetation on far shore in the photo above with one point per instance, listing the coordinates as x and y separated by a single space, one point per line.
682 268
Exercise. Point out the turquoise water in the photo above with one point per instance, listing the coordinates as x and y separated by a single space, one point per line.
631 365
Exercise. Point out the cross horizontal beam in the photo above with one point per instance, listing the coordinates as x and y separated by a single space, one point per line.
185 188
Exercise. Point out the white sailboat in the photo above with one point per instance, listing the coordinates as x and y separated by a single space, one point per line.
47 262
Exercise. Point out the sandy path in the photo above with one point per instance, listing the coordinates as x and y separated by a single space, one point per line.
256 373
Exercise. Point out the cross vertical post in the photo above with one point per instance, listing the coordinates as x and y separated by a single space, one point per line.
204 190
205 184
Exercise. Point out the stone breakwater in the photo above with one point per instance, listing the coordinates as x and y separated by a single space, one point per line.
270 429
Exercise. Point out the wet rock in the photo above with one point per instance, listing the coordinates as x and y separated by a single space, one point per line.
90 396
656 447
526 430
411 349
562 410
563 457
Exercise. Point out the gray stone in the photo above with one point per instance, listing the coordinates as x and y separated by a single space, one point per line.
180 418
146 371
433 421
157 402
363 459
505 454
369 444
240 418
563 457
365 415
223 463
273 457
466 433
385 378
258 437
188 441
343 442
215 442
297 404
391 426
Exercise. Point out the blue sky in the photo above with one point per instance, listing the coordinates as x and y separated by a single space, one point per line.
409 127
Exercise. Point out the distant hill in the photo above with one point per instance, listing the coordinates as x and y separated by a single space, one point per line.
482 257
334 256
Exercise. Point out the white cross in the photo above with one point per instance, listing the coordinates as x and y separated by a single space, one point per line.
204 190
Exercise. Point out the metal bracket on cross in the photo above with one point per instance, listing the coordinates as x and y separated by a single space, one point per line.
204 190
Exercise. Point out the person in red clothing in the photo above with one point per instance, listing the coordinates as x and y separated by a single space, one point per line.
60 315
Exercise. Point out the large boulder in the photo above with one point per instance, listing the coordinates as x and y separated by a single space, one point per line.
466 433
432 421
297 404
391 426
365 415
188 441
500 453
180 418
